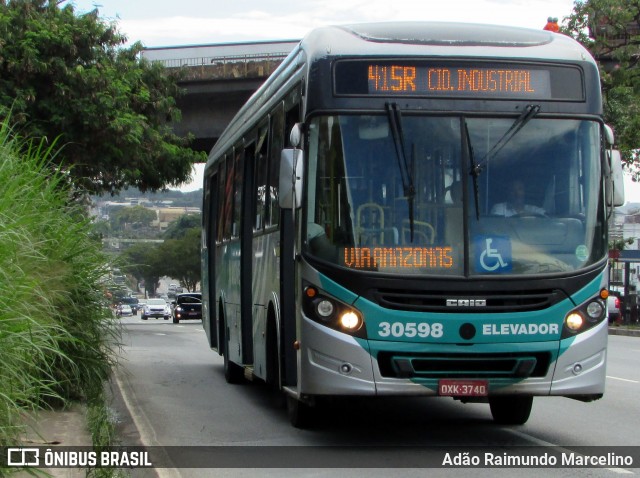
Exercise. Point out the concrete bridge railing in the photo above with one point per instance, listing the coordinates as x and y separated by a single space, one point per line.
227 67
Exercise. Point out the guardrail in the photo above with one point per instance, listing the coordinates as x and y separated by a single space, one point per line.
257 65
223 60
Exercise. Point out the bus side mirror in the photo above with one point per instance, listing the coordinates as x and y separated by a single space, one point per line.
614 187
291 172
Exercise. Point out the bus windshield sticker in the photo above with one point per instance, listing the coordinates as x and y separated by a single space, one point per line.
582 252
492 254
398 257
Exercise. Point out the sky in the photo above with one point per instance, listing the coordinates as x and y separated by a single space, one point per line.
187 22
158 23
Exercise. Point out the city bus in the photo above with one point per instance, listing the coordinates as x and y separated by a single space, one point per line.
415 209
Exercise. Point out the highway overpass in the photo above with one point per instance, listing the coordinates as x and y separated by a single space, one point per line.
219 79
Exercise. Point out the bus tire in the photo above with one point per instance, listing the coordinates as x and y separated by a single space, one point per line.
301 415
510 409
277 397
233 373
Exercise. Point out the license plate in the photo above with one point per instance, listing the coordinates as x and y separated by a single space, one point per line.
463 388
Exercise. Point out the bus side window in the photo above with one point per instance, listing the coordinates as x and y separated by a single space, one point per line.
260 169
277 143
228 198
283 117
237 190
221 204
292 115
208 227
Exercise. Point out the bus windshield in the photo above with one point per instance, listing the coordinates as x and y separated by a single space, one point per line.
392 193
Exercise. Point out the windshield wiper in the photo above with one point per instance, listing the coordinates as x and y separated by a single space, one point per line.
527 114
475 169
409 190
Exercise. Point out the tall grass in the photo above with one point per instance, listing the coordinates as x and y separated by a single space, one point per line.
56 333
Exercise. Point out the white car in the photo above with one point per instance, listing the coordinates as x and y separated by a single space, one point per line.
124 310
156 308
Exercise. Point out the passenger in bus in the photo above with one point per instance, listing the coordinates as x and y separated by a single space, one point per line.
515 204
454 191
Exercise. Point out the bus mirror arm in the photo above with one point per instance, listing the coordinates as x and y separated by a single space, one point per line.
290 181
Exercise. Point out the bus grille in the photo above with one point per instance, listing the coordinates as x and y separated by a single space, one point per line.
506 365
502 301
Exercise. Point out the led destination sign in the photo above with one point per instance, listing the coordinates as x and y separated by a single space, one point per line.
398 257
467 80
387 79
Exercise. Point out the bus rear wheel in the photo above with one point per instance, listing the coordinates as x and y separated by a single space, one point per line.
510 409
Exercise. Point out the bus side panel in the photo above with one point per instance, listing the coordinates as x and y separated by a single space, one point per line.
217 298
581 368
208 315
229 294
265 286
216 294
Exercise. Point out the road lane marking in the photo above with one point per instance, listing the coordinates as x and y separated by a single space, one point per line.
146 432
623 379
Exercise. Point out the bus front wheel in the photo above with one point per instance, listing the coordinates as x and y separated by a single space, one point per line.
233 373
510 409
301 414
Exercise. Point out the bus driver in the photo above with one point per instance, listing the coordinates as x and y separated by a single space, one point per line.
515 204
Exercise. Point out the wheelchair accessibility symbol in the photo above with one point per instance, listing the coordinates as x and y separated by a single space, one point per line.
493 254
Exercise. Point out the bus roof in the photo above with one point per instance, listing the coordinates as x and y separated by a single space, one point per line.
442 39
411 40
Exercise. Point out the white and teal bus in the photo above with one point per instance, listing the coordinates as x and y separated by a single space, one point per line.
409 209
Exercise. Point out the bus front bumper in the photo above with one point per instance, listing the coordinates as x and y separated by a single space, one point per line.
333 363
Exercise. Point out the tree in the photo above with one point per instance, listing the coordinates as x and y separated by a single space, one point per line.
146 263
70 77
132 215
182 225
135 260
610 30
181 258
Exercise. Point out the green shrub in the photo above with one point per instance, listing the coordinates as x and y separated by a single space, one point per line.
56 334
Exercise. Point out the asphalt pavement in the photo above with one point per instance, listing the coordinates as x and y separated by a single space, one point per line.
68 427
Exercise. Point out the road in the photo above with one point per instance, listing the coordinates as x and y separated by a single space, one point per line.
171 392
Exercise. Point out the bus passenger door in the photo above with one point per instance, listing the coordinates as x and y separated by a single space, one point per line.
246 255
262 260
289 279
209 312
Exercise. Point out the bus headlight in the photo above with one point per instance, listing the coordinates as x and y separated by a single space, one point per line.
584 317
324 308
350 321
595 310
574 321
320 307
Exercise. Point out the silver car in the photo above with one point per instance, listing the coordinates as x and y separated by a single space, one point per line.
156 308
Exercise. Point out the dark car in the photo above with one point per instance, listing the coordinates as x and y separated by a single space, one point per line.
188 306
132 302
